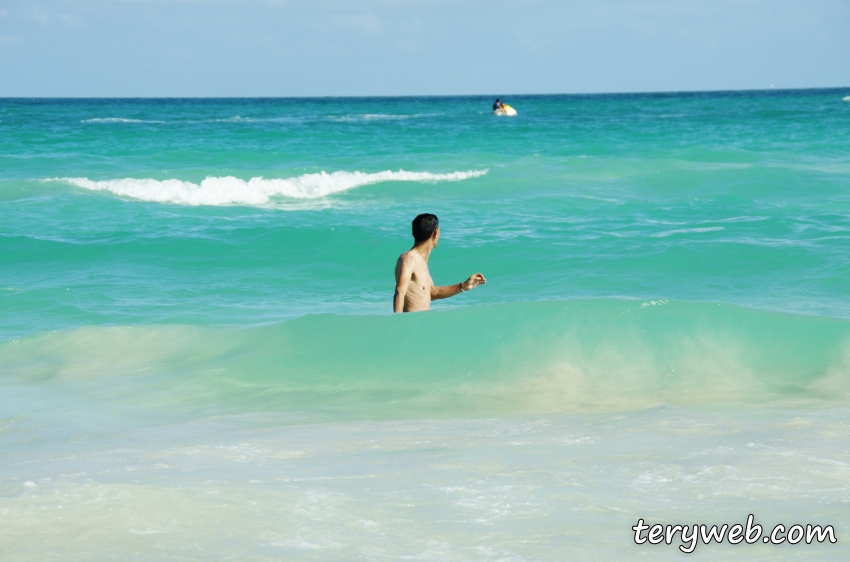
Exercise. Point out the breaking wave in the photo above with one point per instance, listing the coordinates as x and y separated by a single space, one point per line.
529 357
256 191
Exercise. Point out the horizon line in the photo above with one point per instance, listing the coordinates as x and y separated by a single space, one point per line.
645 92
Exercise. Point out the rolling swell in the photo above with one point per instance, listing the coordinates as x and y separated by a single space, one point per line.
533 357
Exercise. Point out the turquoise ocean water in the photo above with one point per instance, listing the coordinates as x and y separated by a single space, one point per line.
198 360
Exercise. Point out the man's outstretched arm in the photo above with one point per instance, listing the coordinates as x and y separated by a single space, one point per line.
404 270
447 291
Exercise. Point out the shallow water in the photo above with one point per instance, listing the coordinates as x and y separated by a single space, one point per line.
197 358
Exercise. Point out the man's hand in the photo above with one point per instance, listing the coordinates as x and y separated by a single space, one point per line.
473 281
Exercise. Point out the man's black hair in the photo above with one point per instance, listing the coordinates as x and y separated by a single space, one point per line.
424 226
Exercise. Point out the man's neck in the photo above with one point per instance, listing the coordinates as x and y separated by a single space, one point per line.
424 249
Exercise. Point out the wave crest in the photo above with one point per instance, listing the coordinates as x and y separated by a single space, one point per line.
256 191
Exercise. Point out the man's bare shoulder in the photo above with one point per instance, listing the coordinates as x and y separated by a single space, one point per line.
406 261
410 257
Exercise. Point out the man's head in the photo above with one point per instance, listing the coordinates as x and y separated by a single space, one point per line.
425 227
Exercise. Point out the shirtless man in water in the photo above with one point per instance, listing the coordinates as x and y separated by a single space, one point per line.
414 288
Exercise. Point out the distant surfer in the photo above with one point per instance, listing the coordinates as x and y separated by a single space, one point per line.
503 109
414 288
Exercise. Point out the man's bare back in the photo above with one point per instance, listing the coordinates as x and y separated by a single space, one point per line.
415 289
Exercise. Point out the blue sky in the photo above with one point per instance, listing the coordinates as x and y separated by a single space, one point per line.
417 47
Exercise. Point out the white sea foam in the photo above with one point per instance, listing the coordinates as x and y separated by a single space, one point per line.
686 231
378 117
256 191
846 98
240 119
356 118
116 120
234 119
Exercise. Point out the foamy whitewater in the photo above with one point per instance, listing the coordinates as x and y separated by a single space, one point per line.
198 359
256 191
